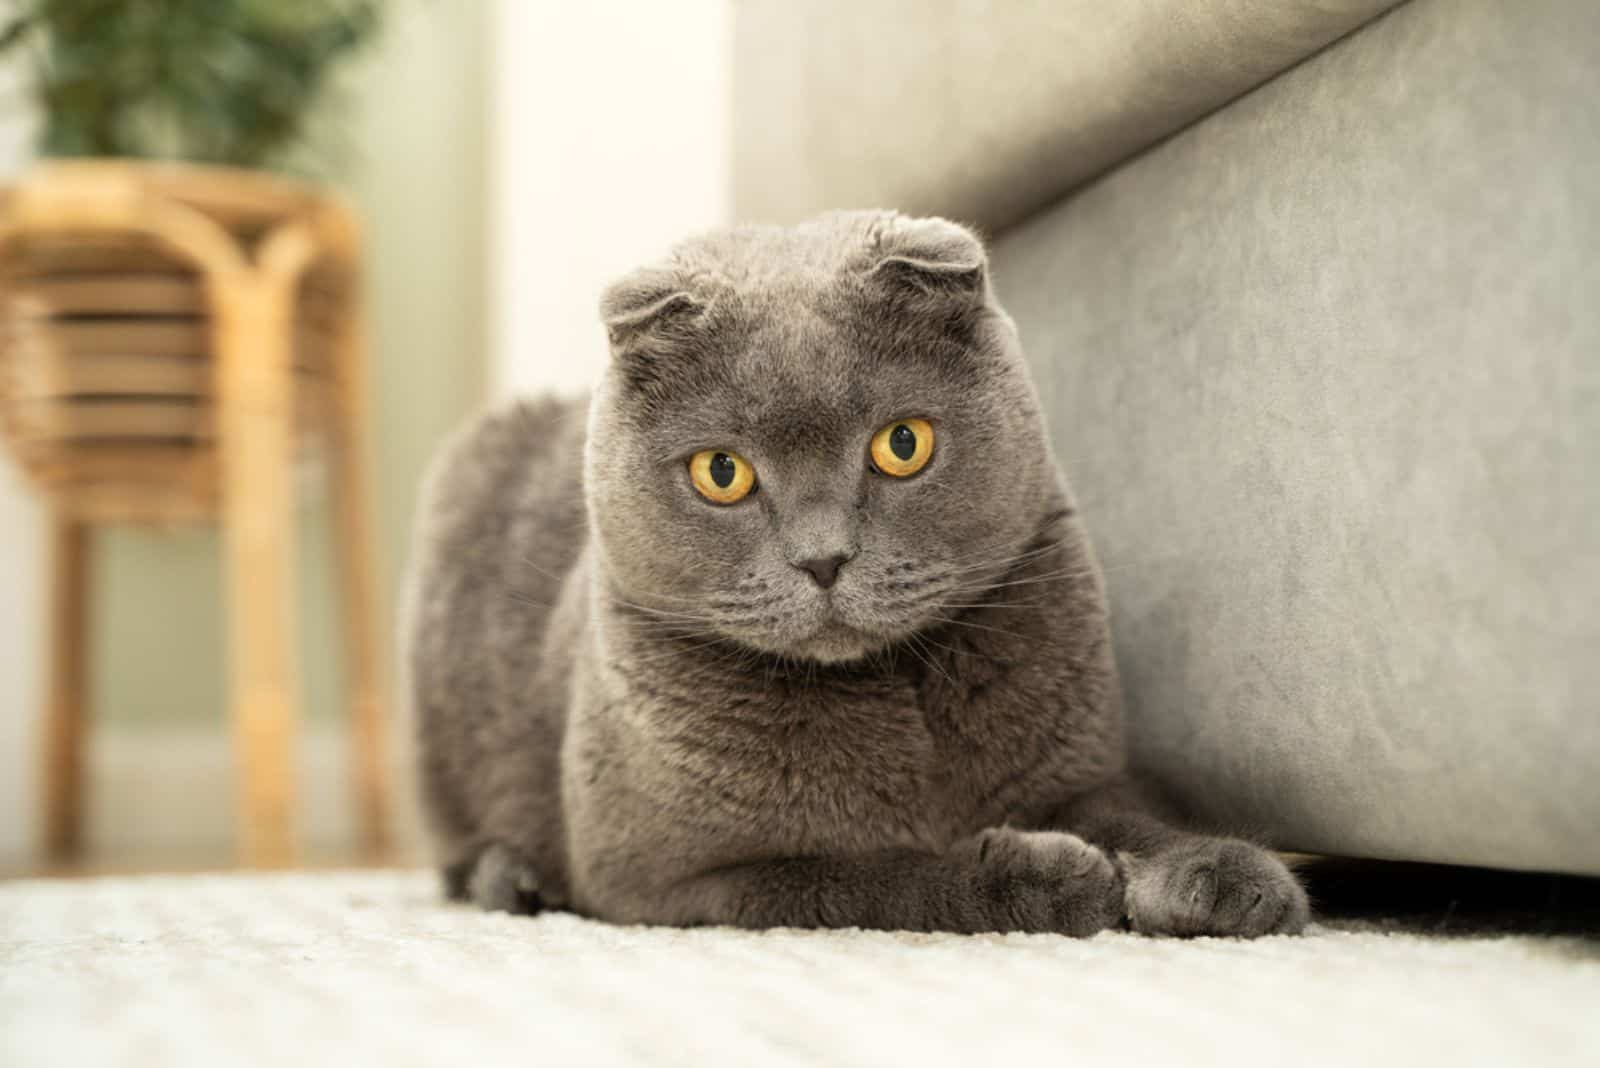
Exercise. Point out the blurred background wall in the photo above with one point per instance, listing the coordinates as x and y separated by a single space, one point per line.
508 157
606 147
21 543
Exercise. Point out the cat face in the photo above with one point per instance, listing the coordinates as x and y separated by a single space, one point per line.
813 441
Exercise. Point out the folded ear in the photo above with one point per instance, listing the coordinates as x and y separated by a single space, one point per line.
932 260
652 302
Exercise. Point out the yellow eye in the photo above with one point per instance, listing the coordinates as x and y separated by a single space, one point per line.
903 448
722 477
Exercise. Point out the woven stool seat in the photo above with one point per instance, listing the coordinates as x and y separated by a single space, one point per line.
108 376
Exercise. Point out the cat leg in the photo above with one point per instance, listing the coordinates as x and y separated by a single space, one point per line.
1182 883
497 879
454 875
1000 880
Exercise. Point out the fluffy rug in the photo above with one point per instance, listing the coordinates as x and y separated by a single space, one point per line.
372 969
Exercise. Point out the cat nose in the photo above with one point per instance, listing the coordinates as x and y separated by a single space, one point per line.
824 569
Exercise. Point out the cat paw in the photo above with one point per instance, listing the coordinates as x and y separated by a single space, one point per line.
1214 886
503 881
1042 881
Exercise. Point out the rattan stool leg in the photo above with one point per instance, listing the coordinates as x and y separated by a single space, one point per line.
62 776
253 324
357 570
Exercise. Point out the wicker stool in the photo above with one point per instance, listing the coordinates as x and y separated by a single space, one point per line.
175 339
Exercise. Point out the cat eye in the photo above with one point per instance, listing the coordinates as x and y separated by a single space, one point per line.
722 477
903 448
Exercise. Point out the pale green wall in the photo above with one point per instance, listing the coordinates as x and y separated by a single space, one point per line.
412 158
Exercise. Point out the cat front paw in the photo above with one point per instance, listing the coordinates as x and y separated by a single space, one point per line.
1214 886
502 880
1042 881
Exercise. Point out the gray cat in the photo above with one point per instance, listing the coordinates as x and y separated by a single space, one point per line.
793 623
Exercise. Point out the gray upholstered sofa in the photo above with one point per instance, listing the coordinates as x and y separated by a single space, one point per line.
1313 294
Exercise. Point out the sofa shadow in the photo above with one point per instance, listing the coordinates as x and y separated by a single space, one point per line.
1443 900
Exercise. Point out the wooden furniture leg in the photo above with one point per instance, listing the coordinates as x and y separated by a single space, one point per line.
357 556
64 728
253 318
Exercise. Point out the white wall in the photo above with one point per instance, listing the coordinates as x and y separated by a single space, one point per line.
609 135
21 644
21 571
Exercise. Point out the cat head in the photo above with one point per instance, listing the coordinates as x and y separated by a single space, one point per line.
813 441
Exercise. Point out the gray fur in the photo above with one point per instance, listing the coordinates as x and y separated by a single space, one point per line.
637 705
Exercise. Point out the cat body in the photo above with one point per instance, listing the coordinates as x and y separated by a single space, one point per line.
855 695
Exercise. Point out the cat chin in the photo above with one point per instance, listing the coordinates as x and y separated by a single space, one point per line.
836 643
835 651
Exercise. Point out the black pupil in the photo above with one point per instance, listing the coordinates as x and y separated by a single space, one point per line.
903 442
723 469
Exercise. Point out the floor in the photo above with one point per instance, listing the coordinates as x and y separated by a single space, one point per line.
1408 965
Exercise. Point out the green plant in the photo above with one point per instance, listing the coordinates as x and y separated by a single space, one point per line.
217 81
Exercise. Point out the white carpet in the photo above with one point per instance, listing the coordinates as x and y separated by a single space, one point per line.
371 969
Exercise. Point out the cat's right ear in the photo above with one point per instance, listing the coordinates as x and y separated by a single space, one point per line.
930 264
651 304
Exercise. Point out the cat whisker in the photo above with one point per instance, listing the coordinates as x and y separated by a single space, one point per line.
976 626
1034 580
965 565
968 651
527 561
663 628
660 613
676 653
912 645
988 552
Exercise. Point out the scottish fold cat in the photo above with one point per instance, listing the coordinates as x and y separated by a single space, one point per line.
793 622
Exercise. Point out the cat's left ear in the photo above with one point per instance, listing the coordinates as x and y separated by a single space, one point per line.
653 302
931 259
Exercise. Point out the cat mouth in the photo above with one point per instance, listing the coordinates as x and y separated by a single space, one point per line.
823 628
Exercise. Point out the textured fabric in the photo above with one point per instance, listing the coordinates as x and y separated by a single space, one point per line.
1325 372
985 110
372 970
